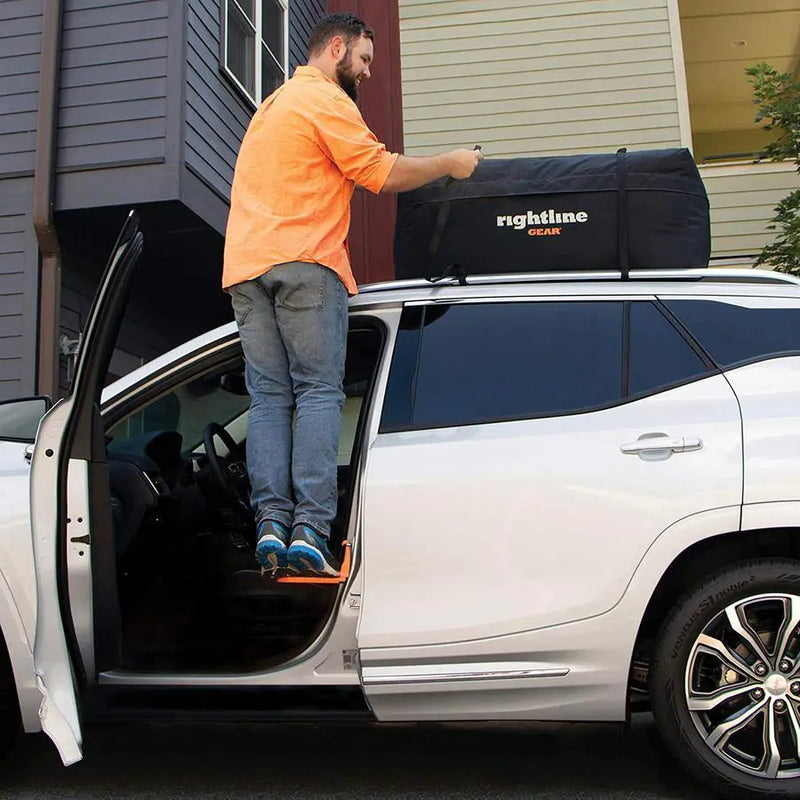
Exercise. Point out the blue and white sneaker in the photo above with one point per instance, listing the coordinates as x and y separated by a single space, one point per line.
273 537
309 552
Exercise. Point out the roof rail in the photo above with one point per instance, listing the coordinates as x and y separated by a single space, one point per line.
710 274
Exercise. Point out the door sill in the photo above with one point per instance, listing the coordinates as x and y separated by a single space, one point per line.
106 703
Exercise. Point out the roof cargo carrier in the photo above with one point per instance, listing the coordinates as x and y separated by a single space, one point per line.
618 211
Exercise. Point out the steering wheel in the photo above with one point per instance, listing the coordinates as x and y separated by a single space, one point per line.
229 474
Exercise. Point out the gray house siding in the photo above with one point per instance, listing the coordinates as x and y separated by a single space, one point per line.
146 119
302 18
18 288
216 114
20 34
114 114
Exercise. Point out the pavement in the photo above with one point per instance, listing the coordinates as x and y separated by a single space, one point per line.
542 760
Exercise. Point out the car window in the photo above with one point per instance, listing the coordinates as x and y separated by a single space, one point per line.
659 355
735 330
218 396
221 396
487 362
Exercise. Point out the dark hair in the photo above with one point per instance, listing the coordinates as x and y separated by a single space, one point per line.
348 26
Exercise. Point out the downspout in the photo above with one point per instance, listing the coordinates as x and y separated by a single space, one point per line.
47 360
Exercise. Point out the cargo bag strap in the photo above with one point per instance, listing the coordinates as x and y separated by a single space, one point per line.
623 226
441 220
452 270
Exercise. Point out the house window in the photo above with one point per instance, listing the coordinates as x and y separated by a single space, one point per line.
254 45
721 39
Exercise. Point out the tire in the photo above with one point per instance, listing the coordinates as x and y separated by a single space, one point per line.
10 721
727 705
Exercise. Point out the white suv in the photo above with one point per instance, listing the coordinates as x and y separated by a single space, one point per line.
562 497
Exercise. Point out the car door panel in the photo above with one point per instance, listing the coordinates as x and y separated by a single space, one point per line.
51 657
68 445
479 532
521 525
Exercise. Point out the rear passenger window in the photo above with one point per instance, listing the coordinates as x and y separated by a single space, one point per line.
499 361
732 333
659 355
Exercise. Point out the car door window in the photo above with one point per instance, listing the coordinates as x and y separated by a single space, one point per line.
659 355
737 330
487 362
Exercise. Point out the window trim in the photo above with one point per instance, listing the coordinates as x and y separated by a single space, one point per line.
261 47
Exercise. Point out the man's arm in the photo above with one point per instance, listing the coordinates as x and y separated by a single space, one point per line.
411 172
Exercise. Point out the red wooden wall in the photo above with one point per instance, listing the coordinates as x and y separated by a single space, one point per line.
381 104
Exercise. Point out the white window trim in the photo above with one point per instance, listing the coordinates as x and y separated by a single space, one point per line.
679 65
738 168
259 42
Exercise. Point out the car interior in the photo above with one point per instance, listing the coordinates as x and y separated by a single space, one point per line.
191 595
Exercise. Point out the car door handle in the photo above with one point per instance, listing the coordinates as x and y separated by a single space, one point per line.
649 443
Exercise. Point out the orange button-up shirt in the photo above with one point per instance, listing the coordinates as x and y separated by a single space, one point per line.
306 148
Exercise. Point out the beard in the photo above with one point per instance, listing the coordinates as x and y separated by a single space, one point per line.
345 75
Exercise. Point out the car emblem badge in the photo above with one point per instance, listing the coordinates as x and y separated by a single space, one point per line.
776 685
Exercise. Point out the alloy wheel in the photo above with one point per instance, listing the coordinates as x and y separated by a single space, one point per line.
742 685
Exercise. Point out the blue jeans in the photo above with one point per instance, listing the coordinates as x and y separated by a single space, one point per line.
293 327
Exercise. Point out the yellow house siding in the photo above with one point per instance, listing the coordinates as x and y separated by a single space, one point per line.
530 77
742 201
536 77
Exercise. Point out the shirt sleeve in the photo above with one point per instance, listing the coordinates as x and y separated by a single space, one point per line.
353 147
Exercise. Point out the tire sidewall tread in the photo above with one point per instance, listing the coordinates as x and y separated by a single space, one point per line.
674 642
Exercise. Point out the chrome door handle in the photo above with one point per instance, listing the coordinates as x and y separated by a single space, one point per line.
649 443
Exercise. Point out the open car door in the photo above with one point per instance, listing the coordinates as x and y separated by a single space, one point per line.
71 432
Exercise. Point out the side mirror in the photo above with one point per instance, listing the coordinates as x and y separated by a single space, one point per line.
19 419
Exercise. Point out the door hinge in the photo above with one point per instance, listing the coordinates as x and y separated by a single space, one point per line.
86 539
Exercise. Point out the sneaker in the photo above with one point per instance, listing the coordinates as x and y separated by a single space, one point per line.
309 552
271 546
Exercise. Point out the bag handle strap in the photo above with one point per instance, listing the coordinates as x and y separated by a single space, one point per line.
438 229
623 227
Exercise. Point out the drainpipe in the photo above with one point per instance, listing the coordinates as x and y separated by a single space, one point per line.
47 361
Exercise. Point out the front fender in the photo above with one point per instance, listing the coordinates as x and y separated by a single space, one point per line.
17 577
20 653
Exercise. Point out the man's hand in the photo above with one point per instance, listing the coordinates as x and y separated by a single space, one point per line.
464 162
411 172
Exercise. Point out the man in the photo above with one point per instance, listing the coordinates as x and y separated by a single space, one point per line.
288 273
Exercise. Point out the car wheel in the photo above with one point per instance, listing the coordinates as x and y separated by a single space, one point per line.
725 680
10 724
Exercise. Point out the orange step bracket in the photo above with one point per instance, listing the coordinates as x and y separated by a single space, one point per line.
344 572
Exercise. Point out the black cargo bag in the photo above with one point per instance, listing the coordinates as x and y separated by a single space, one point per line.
629 210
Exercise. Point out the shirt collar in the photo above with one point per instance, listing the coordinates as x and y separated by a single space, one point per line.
313 72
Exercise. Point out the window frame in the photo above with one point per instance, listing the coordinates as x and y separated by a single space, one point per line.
260 47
